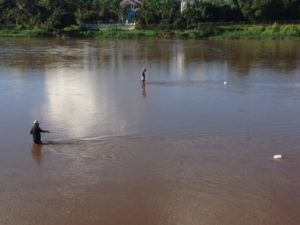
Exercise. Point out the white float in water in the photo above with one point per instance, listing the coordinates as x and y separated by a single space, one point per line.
225 82
277 156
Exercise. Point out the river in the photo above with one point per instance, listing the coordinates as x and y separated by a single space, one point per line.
194 145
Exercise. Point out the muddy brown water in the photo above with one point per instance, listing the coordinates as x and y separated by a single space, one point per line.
184 148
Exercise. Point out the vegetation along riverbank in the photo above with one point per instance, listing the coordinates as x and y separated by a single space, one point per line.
230 19
209 31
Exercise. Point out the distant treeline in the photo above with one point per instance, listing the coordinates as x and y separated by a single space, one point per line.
165 14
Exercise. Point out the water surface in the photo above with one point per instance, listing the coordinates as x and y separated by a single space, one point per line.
183 149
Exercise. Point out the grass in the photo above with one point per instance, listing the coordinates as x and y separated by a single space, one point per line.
119 34
22 32
208 31
275 31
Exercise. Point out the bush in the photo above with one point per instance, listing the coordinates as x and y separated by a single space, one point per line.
290 30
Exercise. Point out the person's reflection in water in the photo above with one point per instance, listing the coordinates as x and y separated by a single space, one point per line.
37 153
144 89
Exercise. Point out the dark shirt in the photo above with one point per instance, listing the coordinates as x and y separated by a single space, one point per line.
36 133
143 76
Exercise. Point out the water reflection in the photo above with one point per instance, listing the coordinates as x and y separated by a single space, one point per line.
90 88
240 56
87 88
143 87
70 97
37 153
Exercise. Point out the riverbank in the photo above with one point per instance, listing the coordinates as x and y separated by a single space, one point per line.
203 31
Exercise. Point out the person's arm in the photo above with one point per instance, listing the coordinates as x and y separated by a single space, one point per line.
44 131
31 131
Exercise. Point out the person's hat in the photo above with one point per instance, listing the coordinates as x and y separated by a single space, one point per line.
36 122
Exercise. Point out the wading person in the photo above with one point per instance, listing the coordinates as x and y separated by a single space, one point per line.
36 132
143 79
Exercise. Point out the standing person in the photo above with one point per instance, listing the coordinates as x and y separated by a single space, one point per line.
36 132
143 79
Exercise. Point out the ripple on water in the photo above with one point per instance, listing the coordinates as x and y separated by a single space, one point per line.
158 180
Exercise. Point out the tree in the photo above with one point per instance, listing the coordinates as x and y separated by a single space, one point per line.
162 12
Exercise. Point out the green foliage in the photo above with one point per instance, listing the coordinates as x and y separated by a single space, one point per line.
290 30
162 13
72 31
94 11
208 30
54 20
20 32
53 16
274 31
269 10
119 34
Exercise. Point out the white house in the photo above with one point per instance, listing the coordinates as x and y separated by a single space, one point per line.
184 4
133 4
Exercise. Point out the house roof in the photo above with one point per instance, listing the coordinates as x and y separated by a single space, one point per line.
131 2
